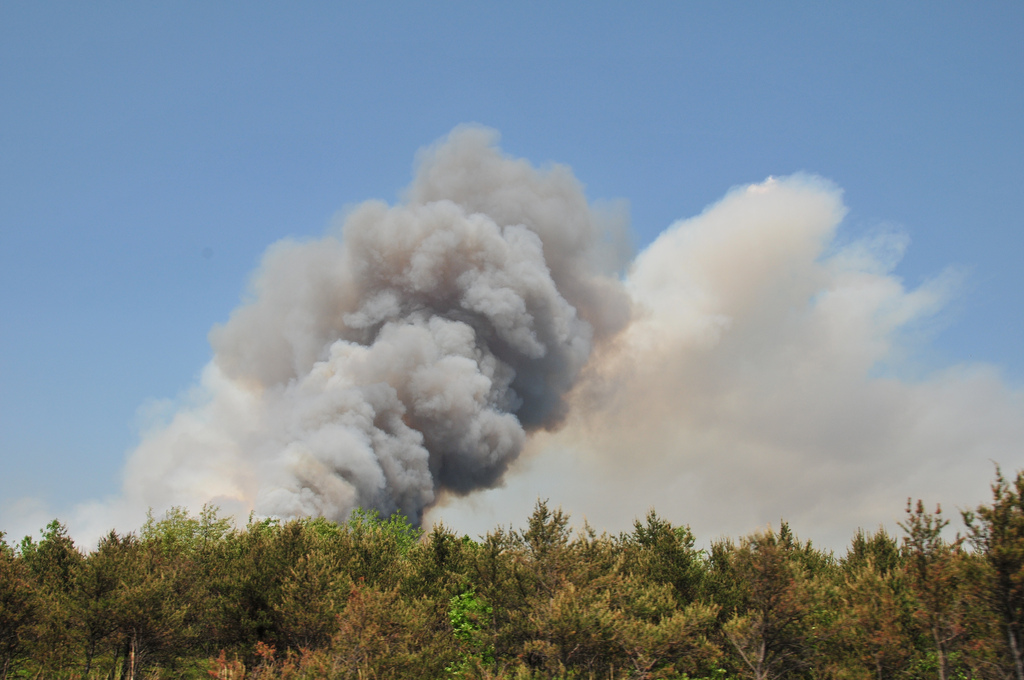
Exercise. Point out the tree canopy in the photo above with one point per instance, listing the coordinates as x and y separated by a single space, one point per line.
194 596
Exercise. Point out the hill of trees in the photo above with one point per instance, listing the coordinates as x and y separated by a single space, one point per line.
195 597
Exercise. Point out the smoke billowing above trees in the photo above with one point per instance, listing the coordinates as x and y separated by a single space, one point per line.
406 354
406 360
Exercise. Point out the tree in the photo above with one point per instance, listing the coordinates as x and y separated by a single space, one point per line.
879 550
54 559
150 606
546 540
313 592
769 629
52 565
96 584
383 635
243 584
657 636
934 568
663 553
18 609
179 533
997 532
873 621
437 564
379 546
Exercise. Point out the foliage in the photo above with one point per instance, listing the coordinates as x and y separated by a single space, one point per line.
469 617
997 532
196 596
935 570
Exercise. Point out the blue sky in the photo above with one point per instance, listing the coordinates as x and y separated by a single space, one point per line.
149 155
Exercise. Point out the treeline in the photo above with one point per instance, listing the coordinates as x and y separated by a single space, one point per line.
195 597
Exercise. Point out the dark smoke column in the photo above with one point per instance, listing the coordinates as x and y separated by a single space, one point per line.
413 352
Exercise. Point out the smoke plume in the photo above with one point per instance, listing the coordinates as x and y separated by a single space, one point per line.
406 355
747 366
770 374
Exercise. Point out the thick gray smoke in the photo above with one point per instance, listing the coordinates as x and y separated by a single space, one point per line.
749 365
406 355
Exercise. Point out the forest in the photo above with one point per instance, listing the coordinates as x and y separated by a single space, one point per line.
197 597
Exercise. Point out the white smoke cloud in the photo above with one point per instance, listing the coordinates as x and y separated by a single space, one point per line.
747 368
761 380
